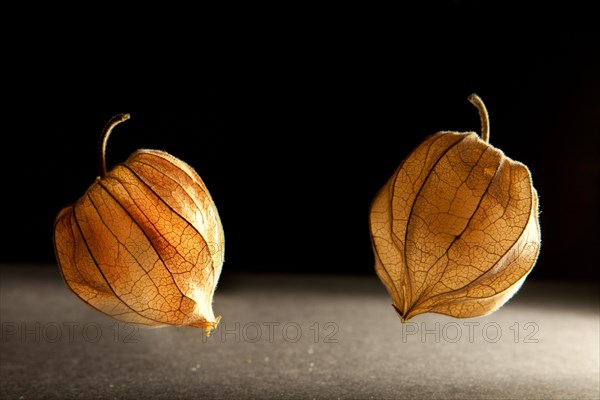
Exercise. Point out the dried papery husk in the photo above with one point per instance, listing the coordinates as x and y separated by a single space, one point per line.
455 229
145 243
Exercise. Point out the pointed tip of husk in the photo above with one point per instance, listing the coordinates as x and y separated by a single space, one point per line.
402 316
209 326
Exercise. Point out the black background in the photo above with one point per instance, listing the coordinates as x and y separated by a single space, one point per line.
298 136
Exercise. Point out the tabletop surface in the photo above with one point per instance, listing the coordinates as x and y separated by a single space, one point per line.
299 336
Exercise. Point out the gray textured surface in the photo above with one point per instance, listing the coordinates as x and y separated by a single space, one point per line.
367 357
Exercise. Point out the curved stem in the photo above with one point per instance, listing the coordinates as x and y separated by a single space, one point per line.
114 121
483 115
